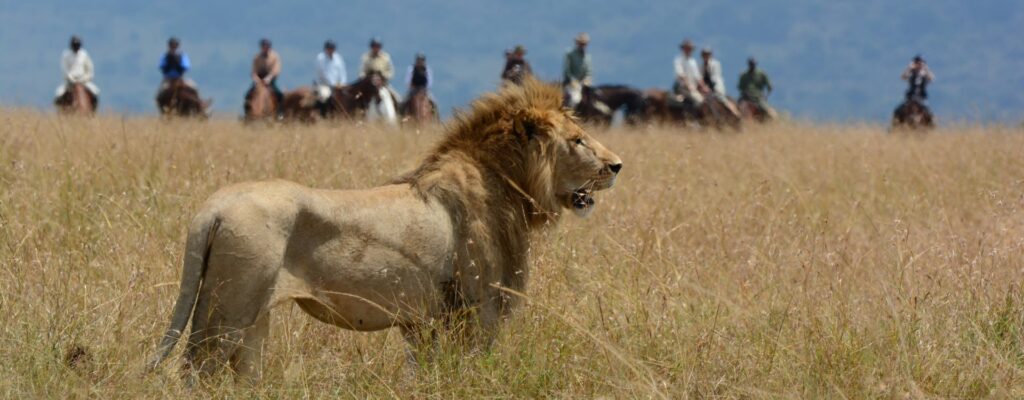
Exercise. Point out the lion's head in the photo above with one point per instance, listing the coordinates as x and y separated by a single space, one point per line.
566 165
534 146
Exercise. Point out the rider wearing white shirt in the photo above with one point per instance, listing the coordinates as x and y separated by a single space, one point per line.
330 67
713 81
77 68
712 73
330 73
688 76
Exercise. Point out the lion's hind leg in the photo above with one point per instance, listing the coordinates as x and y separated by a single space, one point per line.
231 317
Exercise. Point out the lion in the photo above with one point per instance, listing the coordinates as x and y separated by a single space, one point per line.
446 241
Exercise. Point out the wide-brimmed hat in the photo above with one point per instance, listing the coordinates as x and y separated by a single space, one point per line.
519 49
706 50
583 38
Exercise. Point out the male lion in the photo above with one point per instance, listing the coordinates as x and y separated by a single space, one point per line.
440 242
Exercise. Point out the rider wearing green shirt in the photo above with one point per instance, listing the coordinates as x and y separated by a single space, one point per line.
755 87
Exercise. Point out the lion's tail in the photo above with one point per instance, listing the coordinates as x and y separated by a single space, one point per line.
197 252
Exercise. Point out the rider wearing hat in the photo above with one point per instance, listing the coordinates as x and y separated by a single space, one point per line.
266 67
330 73
576 71
174 64
714 83
516 66
689 83
755 87
77 68
918 76
419 76
379 61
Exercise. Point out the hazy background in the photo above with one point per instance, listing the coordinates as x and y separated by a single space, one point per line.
828 60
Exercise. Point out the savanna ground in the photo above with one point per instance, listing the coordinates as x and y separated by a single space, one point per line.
789 261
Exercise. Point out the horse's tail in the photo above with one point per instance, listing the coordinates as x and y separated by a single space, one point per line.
197 254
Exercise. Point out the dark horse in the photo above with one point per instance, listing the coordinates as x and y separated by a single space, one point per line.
76 100
355 100
179 99
665 108
912 114
599 103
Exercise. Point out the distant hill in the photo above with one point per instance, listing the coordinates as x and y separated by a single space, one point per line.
828 60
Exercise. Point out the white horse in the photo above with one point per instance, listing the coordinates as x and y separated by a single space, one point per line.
384 108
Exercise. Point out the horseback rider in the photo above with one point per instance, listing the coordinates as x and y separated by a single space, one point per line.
77 68
576 71
689 85
330 75
173 65
419 76
714 83
914 110
266 67
379 61
918 76
516 66
755 87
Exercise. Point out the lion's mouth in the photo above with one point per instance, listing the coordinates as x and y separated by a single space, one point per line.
581 199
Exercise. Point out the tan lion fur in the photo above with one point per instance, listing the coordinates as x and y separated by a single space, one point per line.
437 241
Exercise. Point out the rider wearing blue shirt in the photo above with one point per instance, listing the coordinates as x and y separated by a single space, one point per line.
174 64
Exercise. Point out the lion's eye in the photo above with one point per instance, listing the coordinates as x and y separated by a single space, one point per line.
579 141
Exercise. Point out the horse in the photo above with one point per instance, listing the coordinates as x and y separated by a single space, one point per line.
369 89
752 111
714 112
599 103
261 103
361 99
719 112
913 114
300 105
76 100
180 99
419 108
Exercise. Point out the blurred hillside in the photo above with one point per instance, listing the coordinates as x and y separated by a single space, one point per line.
829 60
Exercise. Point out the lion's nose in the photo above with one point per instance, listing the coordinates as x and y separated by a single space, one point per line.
615 167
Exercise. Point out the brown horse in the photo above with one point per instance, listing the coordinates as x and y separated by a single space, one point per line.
300 105
419 108
261 103
76 100
752 111
713 113
913 114
177 98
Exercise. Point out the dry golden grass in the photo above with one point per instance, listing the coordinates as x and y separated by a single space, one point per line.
794 261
